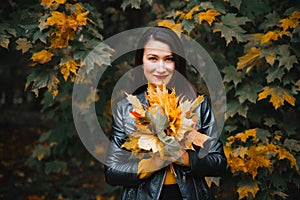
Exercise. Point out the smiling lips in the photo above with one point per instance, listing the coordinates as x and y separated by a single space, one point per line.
160 76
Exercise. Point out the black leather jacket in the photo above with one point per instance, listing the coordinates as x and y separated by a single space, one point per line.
121 169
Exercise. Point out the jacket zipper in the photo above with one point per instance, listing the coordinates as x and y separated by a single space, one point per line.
183 176
161 185
195 189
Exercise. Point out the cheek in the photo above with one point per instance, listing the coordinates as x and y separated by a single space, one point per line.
148 68
170 67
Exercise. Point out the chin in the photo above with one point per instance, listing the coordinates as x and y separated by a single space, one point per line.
158 83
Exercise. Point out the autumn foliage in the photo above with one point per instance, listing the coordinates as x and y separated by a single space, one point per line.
255 45
165 124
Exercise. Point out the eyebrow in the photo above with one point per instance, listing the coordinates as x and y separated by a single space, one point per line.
151 54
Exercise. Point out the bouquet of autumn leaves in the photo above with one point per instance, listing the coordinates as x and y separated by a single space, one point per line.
167 122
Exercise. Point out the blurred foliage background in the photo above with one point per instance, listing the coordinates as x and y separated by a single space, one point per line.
43 43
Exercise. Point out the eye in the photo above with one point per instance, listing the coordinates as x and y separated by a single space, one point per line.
152 58
170 59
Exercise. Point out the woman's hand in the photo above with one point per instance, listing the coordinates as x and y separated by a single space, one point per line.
148 166
182 158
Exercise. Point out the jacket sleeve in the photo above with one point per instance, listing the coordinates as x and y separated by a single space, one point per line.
210 160
121 168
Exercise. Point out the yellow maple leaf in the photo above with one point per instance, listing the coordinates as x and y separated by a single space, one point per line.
246 190
285 154
180 14
243 136
189 15
49 3
60 39
209 16
42 57
68 67
176 27
23 44
4 42
270 36
212 180
55 18
132 145
291 22
278 96
250 59
81 18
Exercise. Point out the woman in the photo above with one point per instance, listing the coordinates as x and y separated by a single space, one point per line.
150 178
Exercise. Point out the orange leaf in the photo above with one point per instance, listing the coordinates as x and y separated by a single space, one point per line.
245 190
209 16
42 56
278 96
291 22
49 3
132 144
176 27
249 59
189 15
69 66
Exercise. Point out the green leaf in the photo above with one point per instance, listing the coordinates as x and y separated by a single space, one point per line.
159 122
248 92
42 79
6 28
263 135
42 21
271 21
292 144
40 152
38 35
290 78
134 4
235 3
256 8
278 181
270 122
230 27
230 128
205 5
45 136
235 107
54 166
284 56
288 61
188 25
29 29
232 74
274 73
99 56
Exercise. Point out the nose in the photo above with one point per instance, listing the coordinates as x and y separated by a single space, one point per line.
161 68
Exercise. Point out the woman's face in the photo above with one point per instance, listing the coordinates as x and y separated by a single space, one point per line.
158 62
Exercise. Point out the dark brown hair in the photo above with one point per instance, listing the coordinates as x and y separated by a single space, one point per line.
168 37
